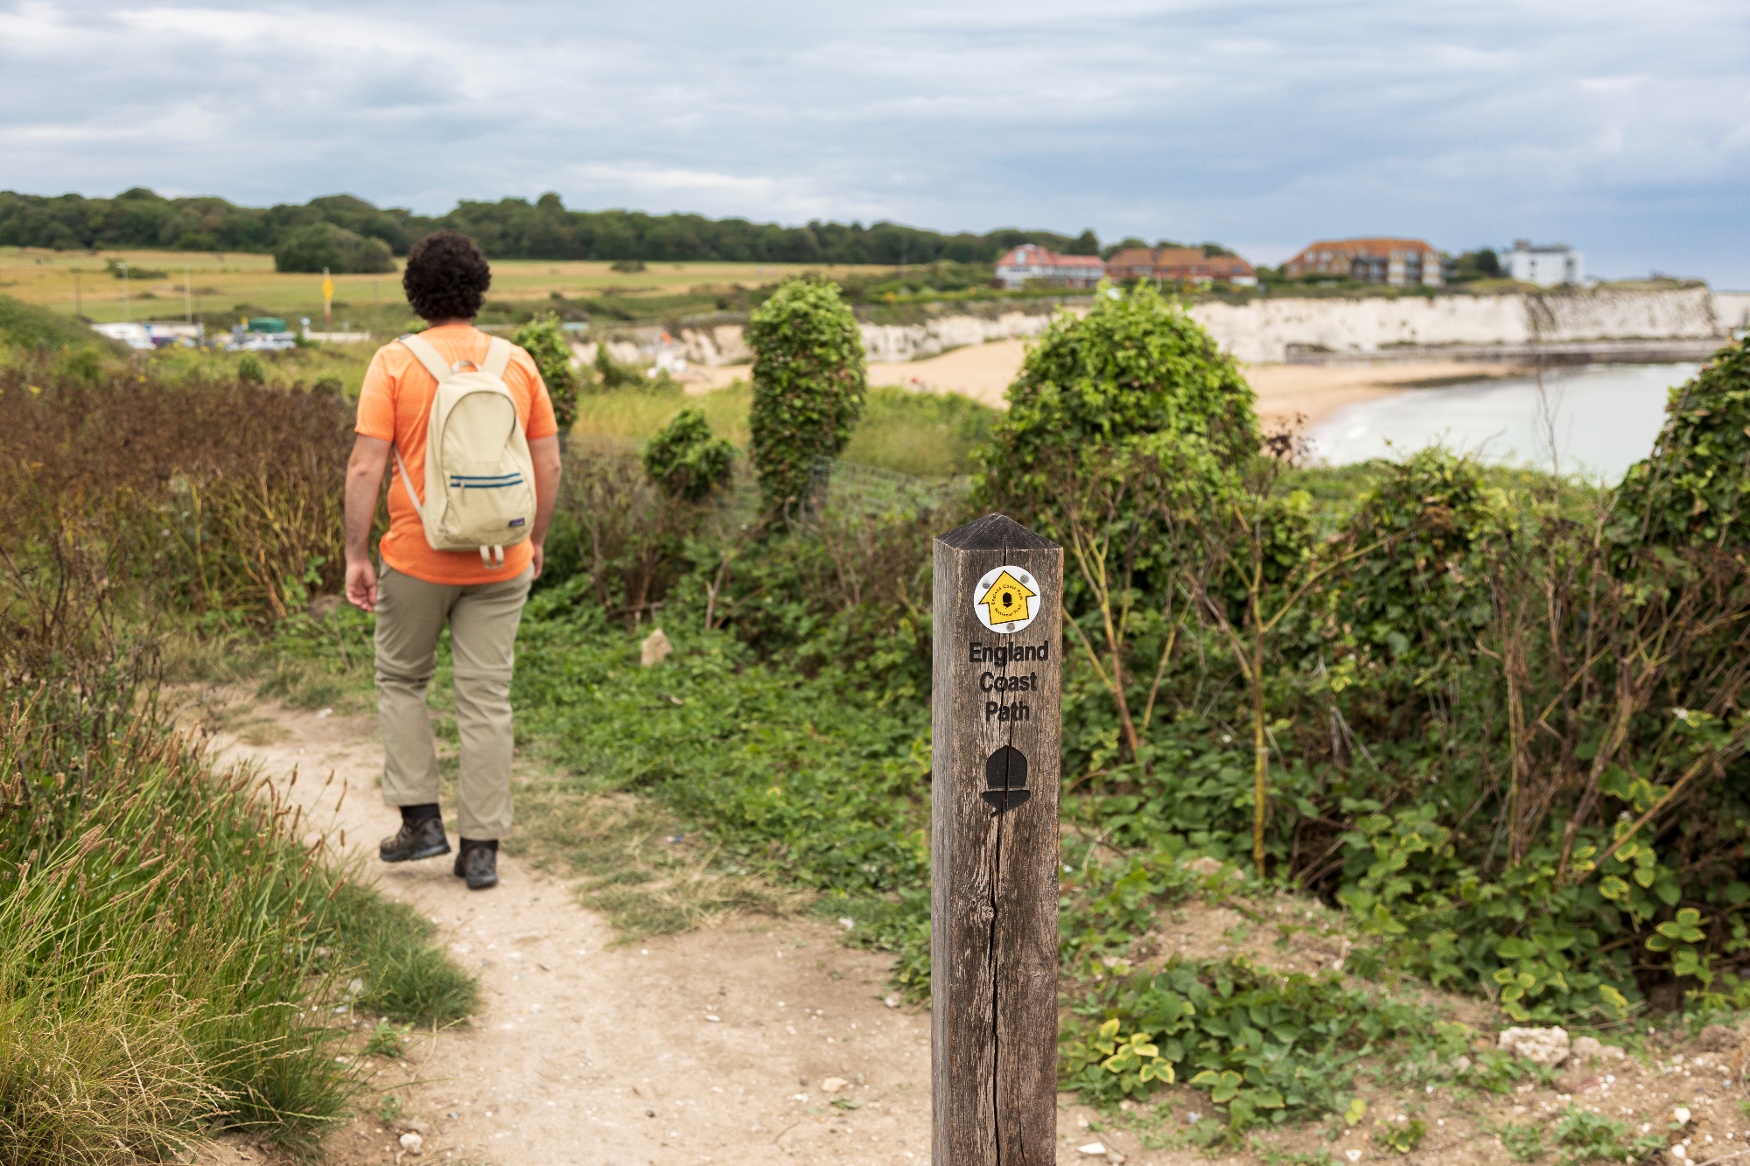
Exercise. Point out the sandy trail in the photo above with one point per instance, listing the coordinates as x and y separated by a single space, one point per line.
1285 391
710 1047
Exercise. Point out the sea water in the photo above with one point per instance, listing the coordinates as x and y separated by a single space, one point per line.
1600 418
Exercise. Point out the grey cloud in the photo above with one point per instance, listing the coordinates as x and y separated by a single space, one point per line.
1621 127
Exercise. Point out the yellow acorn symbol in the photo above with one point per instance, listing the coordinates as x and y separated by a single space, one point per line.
1006 599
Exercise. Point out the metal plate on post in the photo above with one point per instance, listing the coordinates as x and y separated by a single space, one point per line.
993 850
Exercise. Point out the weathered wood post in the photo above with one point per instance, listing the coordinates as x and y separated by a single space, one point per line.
993 848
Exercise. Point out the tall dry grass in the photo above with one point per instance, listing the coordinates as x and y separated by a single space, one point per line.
209 495
168 949
161 952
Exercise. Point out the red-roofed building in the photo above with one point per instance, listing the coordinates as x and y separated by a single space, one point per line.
1398 262
1181 265
1031 263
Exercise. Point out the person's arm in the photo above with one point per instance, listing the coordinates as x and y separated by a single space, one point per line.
544 451
364 478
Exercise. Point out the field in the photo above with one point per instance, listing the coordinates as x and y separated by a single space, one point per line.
224 287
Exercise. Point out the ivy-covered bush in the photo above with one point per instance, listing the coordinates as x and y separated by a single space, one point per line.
686 461
544 340
808 386
1692 490
1136 375
1418 598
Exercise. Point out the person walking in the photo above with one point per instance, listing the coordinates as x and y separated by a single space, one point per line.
467 422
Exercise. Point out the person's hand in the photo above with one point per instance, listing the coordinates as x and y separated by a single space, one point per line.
361 584
535 562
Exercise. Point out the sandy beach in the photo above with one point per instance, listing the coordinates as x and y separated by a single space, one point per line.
1285 391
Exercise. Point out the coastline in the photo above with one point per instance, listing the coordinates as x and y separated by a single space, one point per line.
1304 394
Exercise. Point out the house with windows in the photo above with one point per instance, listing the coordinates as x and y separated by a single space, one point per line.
1551 265
1040 266
1181 265
1394 262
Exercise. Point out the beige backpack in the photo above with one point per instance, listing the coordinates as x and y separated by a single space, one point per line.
479 479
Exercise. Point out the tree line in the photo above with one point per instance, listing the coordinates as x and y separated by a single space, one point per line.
511 228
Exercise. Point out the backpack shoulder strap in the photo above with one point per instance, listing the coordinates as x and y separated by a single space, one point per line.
428 356
497 357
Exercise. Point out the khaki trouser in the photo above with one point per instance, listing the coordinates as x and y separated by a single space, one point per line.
483 622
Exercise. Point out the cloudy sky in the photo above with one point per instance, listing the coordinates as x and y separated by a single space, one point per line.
1619 126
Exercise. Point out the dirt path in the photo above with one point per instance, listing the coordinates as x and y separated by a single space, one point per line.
717 1046
710 1047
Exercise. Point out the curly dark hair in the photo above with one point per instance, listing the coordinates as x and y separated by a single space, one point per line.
446 276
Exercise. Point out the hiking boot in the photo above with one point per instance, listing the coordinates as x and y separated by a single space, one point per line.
418 838
478 864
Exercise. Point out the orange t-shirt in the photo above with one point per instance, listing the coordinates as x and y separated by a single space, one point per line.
395 406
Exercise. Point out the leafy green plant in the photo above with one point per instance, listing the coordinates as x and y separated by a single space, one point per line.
1691 491
544 340
1134 373
387 1039
808 387
250 370
1587 1137
1402 1133
1268 1048
1524 1141
686 460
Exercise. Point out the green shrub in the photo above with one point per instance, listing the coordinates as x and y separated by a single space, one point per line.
544 340
808 387
82 364
250 369
323 245
28 326
1136 375
686 460
1589 1137
1419 598
1692 490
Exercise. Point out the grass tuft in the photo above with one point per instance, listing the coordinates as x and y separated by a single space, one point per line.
407 977
637 864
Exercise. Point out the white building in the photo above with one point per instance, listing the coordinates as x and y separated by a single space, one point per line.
1548 266
1031 263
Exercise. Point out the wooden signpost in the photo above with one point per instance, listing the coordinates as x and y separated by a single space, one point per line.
993 848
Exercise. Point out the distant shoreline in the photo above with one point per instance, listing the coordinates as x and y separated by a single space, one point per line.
1309 392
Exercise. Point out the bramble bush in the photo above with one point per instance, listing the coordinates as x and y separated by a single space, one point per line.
686 460
1493 793
1691 491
